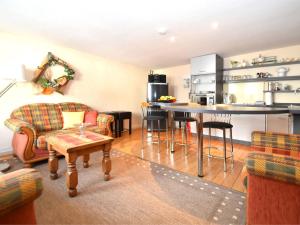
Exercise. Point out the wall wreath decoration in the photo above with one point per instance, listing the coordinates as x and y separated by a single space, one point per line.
53 74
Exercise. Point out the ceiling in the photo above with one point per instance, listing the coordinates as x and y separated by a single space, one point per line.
127 30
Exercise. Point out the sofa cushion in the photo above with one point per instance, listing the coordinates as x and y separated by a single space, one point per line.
91 117
41 143
72 118
43 116
100 130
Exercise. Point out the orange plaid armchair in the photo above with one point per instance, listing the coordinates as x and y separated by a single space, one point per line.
273 180
18 190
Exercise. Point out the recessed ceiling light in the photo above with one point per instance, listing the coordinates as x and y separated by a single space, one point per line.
162 30
215 25
172 39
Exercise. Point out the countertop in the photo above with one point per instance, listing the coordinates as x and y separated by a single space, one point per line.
227 109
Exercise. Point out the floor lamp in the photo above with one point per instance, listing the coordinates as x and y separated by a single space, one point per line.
14 77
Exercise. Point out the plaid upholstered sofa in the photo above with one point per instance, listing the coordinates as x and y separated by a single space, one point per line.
18 190
30 123
273 192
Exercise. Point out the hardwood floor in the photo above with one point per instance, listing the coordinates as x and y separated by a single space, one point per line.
213 167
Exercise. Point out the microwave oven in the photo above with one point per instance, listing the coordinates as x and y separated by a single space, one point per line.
203 99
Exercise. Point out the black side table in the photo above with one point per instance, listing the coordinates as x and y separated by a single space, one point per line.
119 117
124 115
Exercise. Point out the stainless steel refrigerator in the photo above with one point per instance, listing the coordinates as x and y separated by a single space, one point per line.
154 91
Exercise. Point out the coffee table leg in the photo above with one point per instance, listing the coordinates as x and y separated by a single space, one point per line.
86 159
52 163
72 175
106 162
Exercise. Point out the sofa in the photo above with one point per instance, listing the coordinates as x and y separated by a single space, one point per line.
18 190
273 179
31 123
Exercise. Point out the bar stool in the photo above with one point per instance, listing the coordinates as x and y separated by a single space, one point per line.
146 116
183 117
221 125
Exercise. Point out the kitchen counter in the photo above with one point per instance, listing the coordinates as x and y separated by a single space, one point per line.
294 108
169 103
224 108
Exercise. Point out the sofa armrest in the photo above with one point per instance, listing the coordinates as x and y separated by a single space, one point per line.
17 125
274 167
19 188
104 121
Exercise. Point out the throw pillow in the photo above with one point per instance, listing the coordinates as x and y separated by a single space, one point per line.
72 118
91 117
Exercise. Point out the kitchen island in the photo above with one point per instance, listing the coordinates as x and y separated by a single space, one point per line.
216 109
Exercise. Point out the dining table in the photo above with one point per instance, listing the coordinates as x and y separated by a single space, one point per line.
199 110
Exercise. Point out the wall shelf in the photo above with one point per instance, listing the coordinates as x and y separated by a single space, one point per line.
204 74
284 91
262 65
205 83
269 79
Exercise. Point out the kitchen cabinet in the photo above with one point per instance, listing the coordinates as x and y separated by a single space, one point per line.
205 64
206 79
279 123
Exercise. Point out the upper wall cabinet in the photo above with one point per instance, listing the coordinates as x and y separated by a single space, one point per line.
205 64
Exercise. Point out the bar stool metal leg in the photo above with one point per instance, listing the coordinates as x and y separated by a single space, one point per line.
231 146
172 132
158 133
142 133
182 134
152 130
209 147
167 132
185 137
224 142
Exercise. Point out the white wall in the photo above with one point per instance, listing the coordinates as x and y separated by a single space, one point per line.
99 82
245 92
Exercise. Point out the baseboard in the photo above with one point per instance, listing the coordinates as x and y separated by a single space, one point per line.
248 143
5 151
236 141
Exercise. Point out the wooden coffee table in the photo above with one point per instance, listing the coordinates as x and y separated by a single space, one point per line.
72 145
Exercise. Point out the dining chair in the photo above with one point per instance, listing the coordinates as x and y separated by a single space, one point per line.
220 122
147 115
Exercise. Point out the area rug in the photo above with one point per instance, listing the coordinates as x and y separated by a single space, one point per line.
139 192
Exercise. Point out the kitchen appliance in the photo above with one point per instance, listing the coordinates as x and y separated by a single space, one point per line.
157 78
154 91
203 98
269 97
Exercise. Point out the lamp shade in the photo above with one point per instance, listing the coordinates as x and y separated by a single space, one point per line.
12 72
